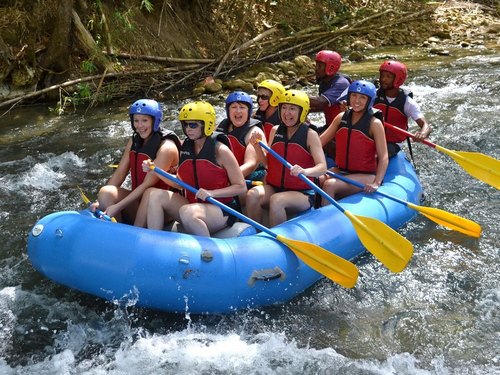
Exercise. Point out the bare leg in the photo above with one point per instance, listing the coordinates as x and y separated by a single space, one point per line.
257 200
339 189
141 216
109 195
286 202
202 219
161 203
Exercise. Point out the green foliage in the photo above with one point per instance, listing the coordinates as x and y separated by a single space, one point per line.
125 19
88 66
66 100
147 4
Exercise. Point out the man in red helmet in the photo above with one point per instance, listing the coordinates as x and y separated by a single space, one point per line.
398 105
331 85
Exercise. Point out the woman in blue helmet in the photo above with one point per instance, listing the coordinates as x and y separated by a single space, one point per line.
147 142
361 149
237 126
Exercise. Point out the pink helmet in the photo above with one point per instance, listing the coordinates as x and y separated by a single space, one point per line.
396 68
331 59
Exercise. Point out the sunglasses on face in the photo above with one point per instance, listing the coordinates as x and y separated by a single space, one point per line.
191 125
263 97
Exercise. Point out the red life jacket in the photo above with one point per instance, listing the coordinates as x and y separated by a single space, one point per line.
393 114
269 122
356 150
237 137
202 170
295 151
140 152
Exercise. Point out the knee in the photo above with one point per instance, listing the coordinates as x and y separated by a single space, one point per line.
187 213
154 197
277 202
147 193
252 196
107 191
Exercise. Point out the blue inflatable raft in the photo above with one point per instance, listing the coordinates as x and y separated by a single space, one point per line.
177 272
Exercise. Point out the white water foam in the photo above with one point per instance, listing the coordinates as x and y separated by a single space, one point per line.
45 176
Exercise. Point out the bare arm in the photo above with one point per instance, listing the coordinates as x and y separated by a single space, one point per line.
252 159
378 133
424 131
227 160
121 172
314 146
166 157
317 103
329 133
260 152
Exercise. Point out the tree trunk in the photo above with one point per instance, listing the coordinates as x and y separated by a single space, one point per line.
5 60
57 57
89 46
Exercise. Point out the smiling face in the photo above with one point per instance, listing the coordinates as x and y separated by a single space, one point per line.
238 114
358 102
290 114
143 125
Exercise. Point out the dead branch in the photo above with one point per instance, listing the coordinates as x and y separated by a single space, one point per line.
94 77
172 60
223 60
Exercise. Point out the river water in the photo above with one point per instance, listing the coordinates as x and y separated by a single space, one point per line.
439 316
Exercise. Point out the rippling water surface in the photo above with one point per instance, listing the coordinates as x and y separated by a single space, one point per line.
439 316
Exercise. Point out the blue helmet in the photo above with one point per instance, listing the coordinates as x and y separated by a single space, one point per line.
365 88
242 97
146 107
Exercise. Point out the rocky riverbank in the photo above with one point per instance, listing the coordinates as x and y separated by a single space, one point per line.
466 28
276 43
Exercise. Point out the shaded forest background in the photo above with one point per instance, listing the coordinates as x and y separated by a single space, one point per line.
98 50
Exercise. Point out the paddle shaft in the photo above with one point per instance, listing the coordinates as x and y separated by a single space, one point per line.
478 165
408 134
216 202
303 177
360 185
97 213
388 246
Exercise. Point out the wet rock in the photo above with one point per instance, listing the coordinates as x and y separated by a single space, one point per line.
213 87
439 52
360 45
434 40
303 64
443 34
285 65
262 76
356 56
23 76
199 90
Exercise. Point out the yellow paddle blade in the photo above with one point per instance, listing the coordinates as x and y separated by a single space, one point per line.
449 220
113 165
87 202
331 265
82 194
480 166
387 245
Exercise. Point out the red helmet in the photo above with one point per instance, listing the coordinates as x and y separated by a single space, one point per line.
396 68
331 59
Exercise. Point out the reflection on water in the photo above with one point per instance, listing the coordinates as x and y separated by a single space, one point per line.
439 316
